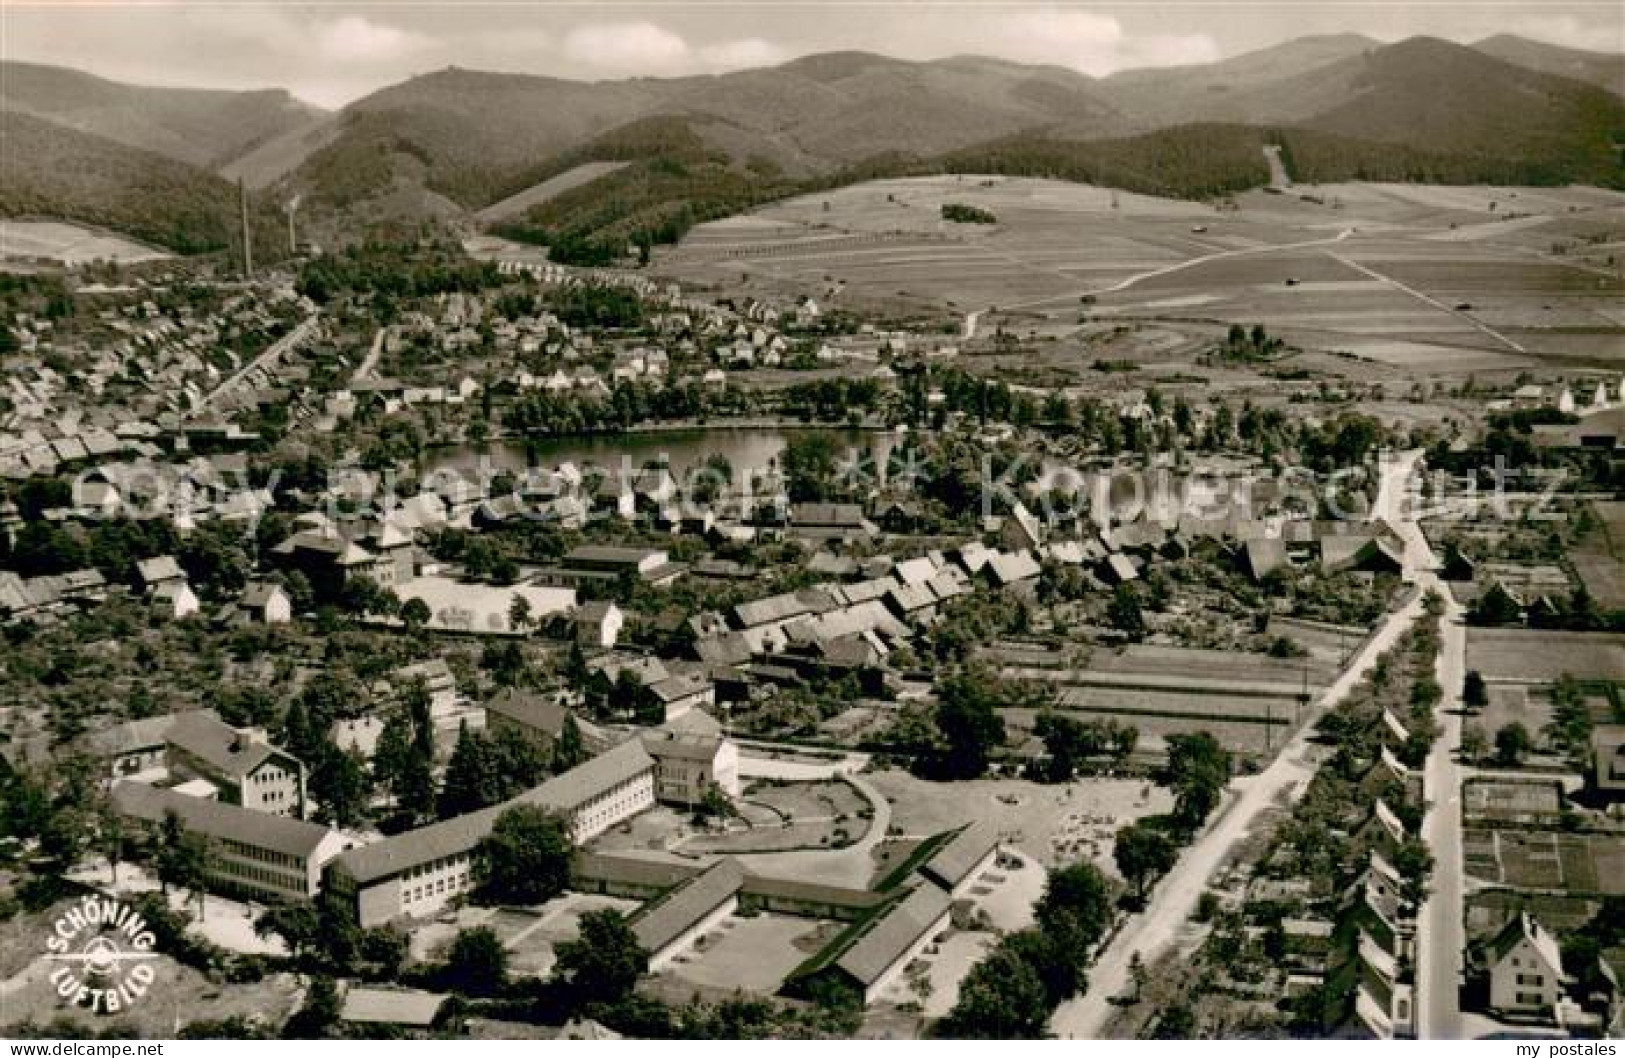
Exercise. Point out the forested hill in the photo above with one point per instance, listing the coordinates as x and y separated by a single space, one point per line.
49 171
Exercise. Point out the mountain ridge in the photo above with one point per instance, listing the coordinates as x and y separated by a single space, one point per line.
443 145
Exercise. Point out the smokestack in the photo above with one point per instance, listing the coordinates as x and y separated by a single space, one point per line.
293 237
248 243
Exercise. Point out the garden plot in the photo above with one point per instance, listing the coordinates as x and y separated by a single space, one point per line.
1515 704
1596 559
1548 861
1502 800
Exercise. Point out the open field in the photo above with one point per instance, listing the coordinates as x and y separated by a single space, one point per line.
69 243
480 608
1436 280
1518 655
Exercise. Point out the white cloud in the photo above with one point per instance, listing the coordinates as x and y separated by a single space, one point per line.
742 54
1570 32
1087 42
627 48
620 49
355 38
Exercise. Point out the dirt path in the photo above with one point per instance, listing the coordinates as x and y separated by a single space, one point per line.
1178 266
1428 299
1279 177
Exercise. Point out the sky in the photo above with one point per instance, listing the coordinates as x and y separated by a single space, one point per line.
330 53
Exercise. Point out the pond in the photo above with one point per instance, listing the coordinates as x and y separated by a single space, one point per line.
752 448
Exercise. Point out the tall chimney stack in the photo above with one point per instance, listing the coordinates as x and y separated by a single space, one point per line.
248 244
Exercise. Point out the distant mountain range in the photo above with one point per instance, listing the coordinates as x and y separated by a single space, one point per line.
450 143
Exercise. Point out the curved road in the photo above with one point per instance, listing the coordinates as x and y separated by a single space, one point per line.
1154 931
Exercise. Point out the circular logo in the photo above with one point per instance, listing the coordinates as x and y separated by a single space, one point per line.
104 954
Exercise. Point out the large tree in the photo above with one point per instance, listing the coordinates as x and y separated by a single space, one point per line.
526 857
604 963
1198 770
969 724
1002 998
476 963
1076 906
1143 853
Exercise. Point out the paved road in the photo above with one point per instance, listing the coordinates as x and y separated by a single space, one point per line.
1441 935
1154 931
267 358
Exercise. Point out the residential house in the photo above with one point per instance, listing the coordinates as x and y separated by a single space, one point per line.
247 770
538 718
132 747
175 599
1526 968
154 572
265 603
598 624
679 693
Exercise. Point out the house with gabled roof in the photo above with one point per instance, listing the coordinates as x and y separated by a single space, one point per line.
131 747
246 769
1364 996
1526 968
1382 831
